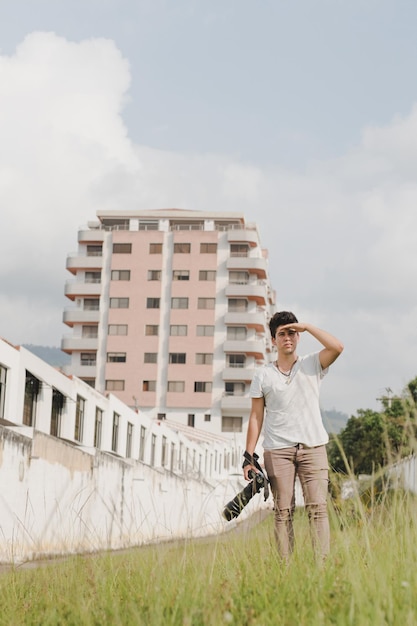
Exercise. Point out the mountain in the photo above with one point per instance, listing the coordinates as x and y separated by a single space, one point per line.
334 421
51 355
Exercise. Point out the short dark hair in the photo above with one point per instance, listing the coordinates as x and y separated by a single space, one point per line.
279 319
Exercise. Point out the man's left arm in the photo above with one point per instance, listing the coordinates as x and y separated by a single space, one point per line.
333 347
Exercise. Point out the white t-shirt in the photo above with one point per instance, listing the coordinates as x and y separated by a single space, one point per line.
292 410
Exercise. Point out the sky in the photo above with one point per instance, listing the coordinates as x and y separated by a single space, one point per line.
302 115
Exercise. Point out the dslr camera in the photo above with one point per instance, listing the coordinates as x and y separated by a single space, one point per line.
236 506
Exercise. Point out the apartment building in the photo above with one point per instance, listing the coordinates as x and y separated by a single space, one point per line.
170 313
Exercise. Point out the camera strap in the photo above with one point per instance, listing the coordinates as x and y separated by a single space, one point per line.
253 460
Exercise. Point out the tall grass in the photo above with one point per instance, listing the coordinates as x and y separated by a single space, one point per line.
370 578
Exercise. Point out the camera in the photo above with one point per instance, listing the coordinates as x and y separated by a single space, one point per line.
236 506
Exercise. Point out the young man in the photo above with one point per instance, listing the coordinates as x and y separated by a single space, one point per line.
287 392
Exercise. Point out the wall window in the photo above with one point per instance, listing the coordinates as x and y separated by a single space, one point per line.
177 357
239 249
155 248
153 449
207 417
182 248
3 378
208 248
205 331
119 303
204 358
206 303
191 420
98 425
122 248
120 275
94 250
231 424
176 386
180 275
58 403
116 357
115 385
151 329
129 438
236 360
236 332
89 331
234 389
150 357
79 418
93 277
117 329
164 451
115 432
142 440
88 358
207 275
91 304
149 385
153 303
238 278
179 303
178 330
204 387
32 390
237 305
154 274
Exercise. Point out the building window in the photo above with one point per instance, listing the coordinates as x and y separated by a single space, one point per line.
115 385
116 357
205 331
204 358
98 424
142 440
236 332
93 250
89 331
231 424
206 303
88 358
207 275
204 387
119 303
161 416
120 275
182 248
93 277
79 418
237 305
117 329
154 274
58 403
91 304
238 278
180 275
178 330
149 385
32 389
239 249
151 329
177 386
115 432
122 248
164 451
153 449
3 377
152 303
155 248
208 248
179 303
150 357
177 357
236 360
234 389
191 420
148 225
207 417
129 438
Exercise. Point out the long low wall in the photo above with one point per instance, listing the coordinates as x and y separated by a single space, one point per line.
58 499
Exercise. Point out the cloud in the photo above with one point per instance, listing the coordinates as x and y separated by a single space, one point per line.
341 235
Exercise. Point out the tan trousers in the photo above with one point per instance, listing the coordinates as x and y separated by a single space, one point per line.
311 466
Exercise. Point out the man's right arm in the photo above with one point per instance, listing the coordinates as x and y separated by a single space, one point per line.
256 419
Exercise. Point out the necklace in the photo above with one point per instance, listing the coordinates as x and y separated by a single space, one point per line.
287 373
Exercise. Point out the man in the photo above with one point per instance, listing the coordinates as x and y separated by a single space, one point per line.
287 391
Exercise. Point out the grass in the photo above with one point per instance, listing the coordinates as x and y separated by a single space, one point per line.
370 578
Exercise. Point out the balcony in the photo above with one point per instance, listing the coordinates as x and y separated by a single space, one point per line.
77 262
252 347
82 371
251 291
254 265
243 236
70 343
91 236
77 288
235 403
237 374
250 320
79 316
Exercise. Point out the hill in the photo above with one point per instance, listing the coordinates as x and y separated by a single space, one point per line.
334 421
53 356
